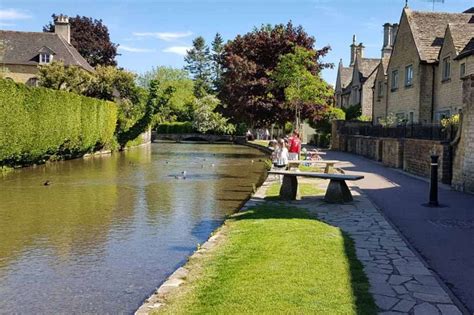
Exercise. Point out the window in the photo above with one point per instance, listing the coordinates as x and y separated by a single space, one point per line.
446 68
394 85
462 70
409 75
45 58
380 89
411 118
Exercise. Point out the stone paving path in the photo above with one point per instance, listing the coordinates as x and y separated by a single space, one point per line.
400 282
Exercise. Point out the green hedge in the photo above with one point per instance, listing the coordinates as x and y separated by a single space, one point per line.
175 127
37 123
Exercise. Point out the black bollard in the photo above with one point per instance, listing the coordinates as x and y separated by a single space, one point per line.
434 182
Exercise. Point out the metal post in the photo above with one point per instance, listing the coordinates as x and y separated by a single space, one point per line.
434 182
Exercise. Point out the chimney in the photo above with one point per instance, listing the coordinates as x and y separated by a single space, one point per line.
389 32
360 50
394 33
62 27
353 50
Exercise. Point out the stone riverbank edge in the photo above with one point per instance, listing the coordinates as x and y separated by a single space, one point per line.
400 281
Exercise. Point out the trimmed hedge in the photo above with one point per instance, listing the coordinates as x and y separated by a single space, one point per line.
37 123
175 127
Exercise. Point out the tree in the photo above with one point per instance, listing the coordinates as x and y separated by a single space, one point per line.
91 39
181 103
217 55
198 63
206 119
304 91
247 88
324 124
59 77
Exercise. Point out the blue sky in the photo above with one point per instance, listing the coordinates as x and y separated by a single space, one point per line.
153 33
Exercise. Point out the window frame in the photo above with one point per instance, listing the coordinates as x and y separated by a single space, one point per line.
446 69
462 69
380 89
409 69
394 80
45 58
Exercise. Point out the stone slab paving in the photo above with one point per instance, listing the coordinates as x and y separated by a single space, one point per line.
400 282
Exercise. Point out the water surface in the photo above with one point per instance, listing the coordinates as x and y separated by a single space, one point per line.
107 231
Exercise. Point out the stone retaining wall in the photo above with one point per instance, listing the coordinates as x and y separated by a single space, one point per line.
411 155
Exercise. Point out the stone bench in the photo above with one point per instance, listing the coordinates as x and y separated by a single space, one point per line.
337 191
328 164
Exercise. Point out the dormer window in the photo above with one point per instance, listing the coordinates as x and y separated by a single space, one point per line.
45 55
45 58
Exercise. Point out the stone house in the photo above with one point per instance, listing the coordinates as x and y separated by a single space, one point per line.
354 83
22 52
421 82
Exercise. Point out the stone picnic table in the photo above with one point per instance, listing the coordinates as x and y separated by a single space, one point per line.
337 191
328 164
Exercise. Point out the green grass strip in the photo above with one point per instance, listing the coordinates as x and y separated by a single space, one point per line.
276 259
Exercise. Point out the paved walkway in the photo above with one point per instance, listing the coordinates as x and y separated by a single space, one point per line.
443 236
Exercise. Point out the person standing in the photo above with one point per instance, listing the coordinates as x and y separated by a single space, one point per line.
295 146
281 154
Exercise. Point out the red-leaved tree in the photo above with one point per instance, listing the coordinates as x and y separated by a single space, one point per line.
248 61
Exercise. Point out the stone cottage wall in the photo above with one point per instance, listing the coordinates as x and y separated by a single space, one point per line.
463 165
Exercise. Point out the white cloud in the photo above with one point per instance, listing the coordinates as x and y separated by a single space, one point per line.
179 50
135 49
166 36
13 14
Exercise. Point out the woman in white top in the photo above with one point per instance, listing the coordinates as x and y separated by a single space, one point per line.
281 154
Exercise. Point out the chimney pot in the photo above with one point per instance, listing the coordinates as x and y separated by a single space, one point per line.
62 27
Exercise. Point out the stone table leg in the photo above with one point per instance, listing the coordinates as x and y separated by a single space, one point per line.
289 188
338 192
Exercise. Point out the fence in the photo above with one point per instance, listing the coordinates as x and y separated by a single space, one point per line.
412 131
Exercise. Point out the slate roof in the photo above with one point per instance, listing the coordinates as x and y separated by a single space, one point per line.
346 76
428 29
367 65
463 38
24 48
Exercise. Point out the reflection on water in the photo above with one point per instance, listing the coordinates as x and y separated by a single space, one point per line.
106 231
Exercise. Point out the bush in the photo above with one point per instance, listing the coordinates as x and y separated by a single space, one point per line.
175 127
322 140
353 112
38 123
324 125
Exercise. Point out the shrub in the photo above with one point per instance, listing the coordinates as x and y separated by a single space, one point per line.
352 112
38 123
175 127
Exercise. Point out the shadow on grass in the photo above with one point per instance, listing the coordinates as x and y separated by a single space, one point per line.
364 302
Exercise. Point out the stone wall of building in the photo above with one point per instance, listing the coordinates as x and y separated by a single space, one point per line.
463 164
448 93
379 96
21 73
404 100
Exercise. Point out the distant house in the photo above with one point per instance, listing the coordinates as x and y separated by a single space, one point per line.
22 52
421 81
354 84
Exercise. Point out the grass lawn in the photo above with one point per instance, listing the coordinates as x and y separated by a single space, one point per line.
275 259
304 189
312 168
